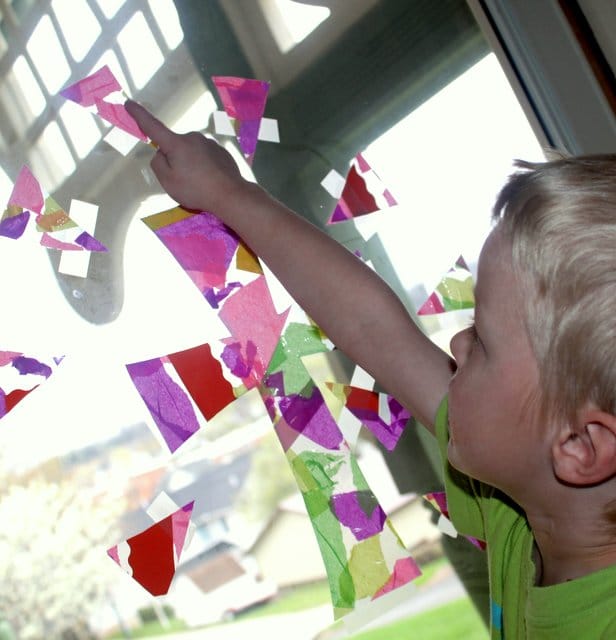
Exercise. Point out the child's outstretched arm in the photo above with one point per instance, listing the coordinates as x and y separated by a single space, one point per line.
354 307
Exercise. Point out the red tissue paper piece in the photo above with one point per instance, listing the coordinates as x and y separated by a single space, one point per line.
380 413
202 376
360 197
153 554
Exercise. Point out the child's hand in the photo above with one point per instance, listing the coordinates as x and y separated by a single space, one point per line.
194 170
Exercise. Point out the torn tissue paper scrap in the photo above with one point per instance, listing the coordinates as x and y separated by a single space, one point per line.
175 386
57 229
95 87
380 413
255 328
298 340
102 91
151 557
244 99
20 374
205 248
453 293
361 193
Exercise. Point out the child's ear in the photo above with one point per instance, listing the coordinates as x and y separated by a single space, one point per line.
585 453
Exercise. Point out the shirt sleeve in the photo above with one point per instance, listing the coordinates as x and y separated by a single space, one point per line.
467 499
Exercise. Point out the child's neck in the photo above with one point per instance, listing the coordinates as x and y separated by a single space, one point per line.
565 551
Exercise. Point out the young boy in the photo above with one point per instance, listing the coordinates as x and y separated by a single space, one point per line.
528 425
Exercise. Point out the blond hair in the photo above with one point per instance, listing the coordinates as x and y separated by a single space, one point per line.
561 219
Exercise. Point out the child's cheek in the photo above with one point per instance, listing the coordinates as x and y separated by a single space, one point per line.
454 402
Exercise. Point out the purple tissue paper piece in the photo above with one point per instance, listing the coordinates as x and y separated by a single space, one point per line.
14 226
339 215
247 136
387 434
216 297
32 366
233 358
203 246
311 417
206 225
90 243
169 405
360 512
2 404
270 406
275 383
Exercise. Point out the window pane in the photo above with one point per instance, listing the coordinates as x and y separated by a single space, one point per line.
21 96
110 59
79 26
81 127
143 55
168 21
47 55
51 158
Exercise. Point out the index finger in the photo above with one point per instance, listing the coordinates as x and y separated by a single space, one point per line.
158 132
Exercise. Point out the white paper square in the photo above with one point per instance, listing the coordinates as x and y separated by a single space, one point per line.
223 124
333 183
76 263
268 130
362 379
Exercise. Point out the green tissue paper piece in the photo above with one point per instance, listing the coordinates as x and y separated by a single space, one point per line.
329 536
297 341
457 294
315 470
368 567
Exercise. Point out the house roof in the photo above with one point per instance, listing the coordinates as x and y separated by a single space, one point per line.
213 486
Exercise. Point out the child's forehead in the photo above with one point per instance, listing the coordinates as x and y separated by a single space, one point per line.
495 255
497 288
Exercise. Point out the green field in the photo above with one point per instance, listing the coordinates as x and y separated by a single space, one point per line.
452 621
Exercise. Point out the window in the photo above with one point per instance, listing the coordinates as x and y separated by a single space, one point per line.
291 22
84 437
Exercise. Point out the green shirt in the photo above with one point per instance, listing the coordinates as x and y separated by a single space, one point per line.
580 609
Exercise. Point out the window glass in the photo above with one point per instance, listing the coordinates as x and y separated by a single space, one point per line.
80 28
83 465
20 89
168 21
143 55
46 52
